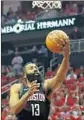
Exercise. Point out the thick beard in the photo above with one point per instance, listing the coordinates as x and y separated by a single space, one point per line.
32 76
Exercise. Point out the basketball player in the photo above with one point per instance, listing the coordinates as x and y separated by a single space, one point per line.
31 99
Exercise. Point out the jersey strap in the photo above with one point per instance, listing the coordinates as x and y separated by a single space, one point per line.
23 90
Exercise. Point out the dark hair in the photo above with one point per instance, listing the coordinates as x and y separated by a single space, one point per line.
27 63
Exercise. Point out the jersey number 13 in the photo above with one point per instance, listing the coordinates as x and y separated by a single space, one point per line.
35 109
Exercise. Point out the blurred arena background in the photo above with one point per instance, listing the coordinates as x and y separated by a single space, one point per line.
23 34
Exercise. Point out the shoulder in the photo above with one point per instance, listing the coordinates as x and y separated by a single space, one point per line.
16 87
47 89
46 82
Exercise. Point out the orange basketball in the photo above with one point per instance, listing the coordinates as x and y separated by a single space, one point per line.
53 39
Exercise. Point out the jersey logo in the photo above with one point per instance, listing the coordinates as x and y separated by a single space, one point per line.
25 89
37 97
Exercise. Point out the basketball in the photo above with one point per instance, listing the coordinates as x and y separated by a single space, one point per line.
54 40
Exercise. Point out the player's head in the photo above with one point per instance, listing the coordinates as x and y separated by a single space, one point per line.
31 71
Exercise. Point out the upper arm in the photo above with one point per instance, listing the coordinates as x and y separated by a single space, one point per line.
14 95
50 85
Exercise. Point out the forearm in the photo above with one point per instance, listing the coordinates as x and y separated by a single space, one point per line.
63 67
17 107
61 73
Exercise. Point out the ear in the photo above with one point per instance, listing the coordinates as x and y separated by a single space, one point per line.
25 77
24 73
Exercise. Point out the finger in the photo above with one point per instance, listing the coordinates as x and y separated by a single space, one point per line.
67 41
33 91
35 84
61 43
34 87
35 81
36 90
60 46
38 84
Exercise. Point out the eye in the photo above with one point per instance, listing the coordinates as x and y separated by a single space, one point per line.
31 67
36 67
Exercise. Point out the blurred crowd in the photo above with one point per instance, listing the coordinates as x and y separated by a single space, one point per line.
72 8
68 8
10 49
67 101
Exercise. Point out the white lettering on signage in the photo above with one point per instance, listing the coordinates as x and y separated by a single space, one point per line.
29 26
47 4
57 23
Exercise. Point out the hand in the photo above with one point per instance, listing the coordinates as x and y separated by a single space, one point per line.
34 88
66 49
10 117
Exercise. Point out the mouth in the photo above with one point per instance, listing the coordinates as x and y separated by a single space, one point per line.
35 76
36 73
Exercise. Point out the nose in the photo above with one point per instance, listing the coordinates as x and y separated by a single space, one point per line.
36 70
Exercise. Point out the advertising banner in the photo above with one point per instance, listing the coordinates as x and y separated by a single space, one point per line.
21 26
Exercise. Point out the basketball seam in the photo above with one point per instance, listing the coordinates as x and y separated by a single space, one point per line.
52 41
55 43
